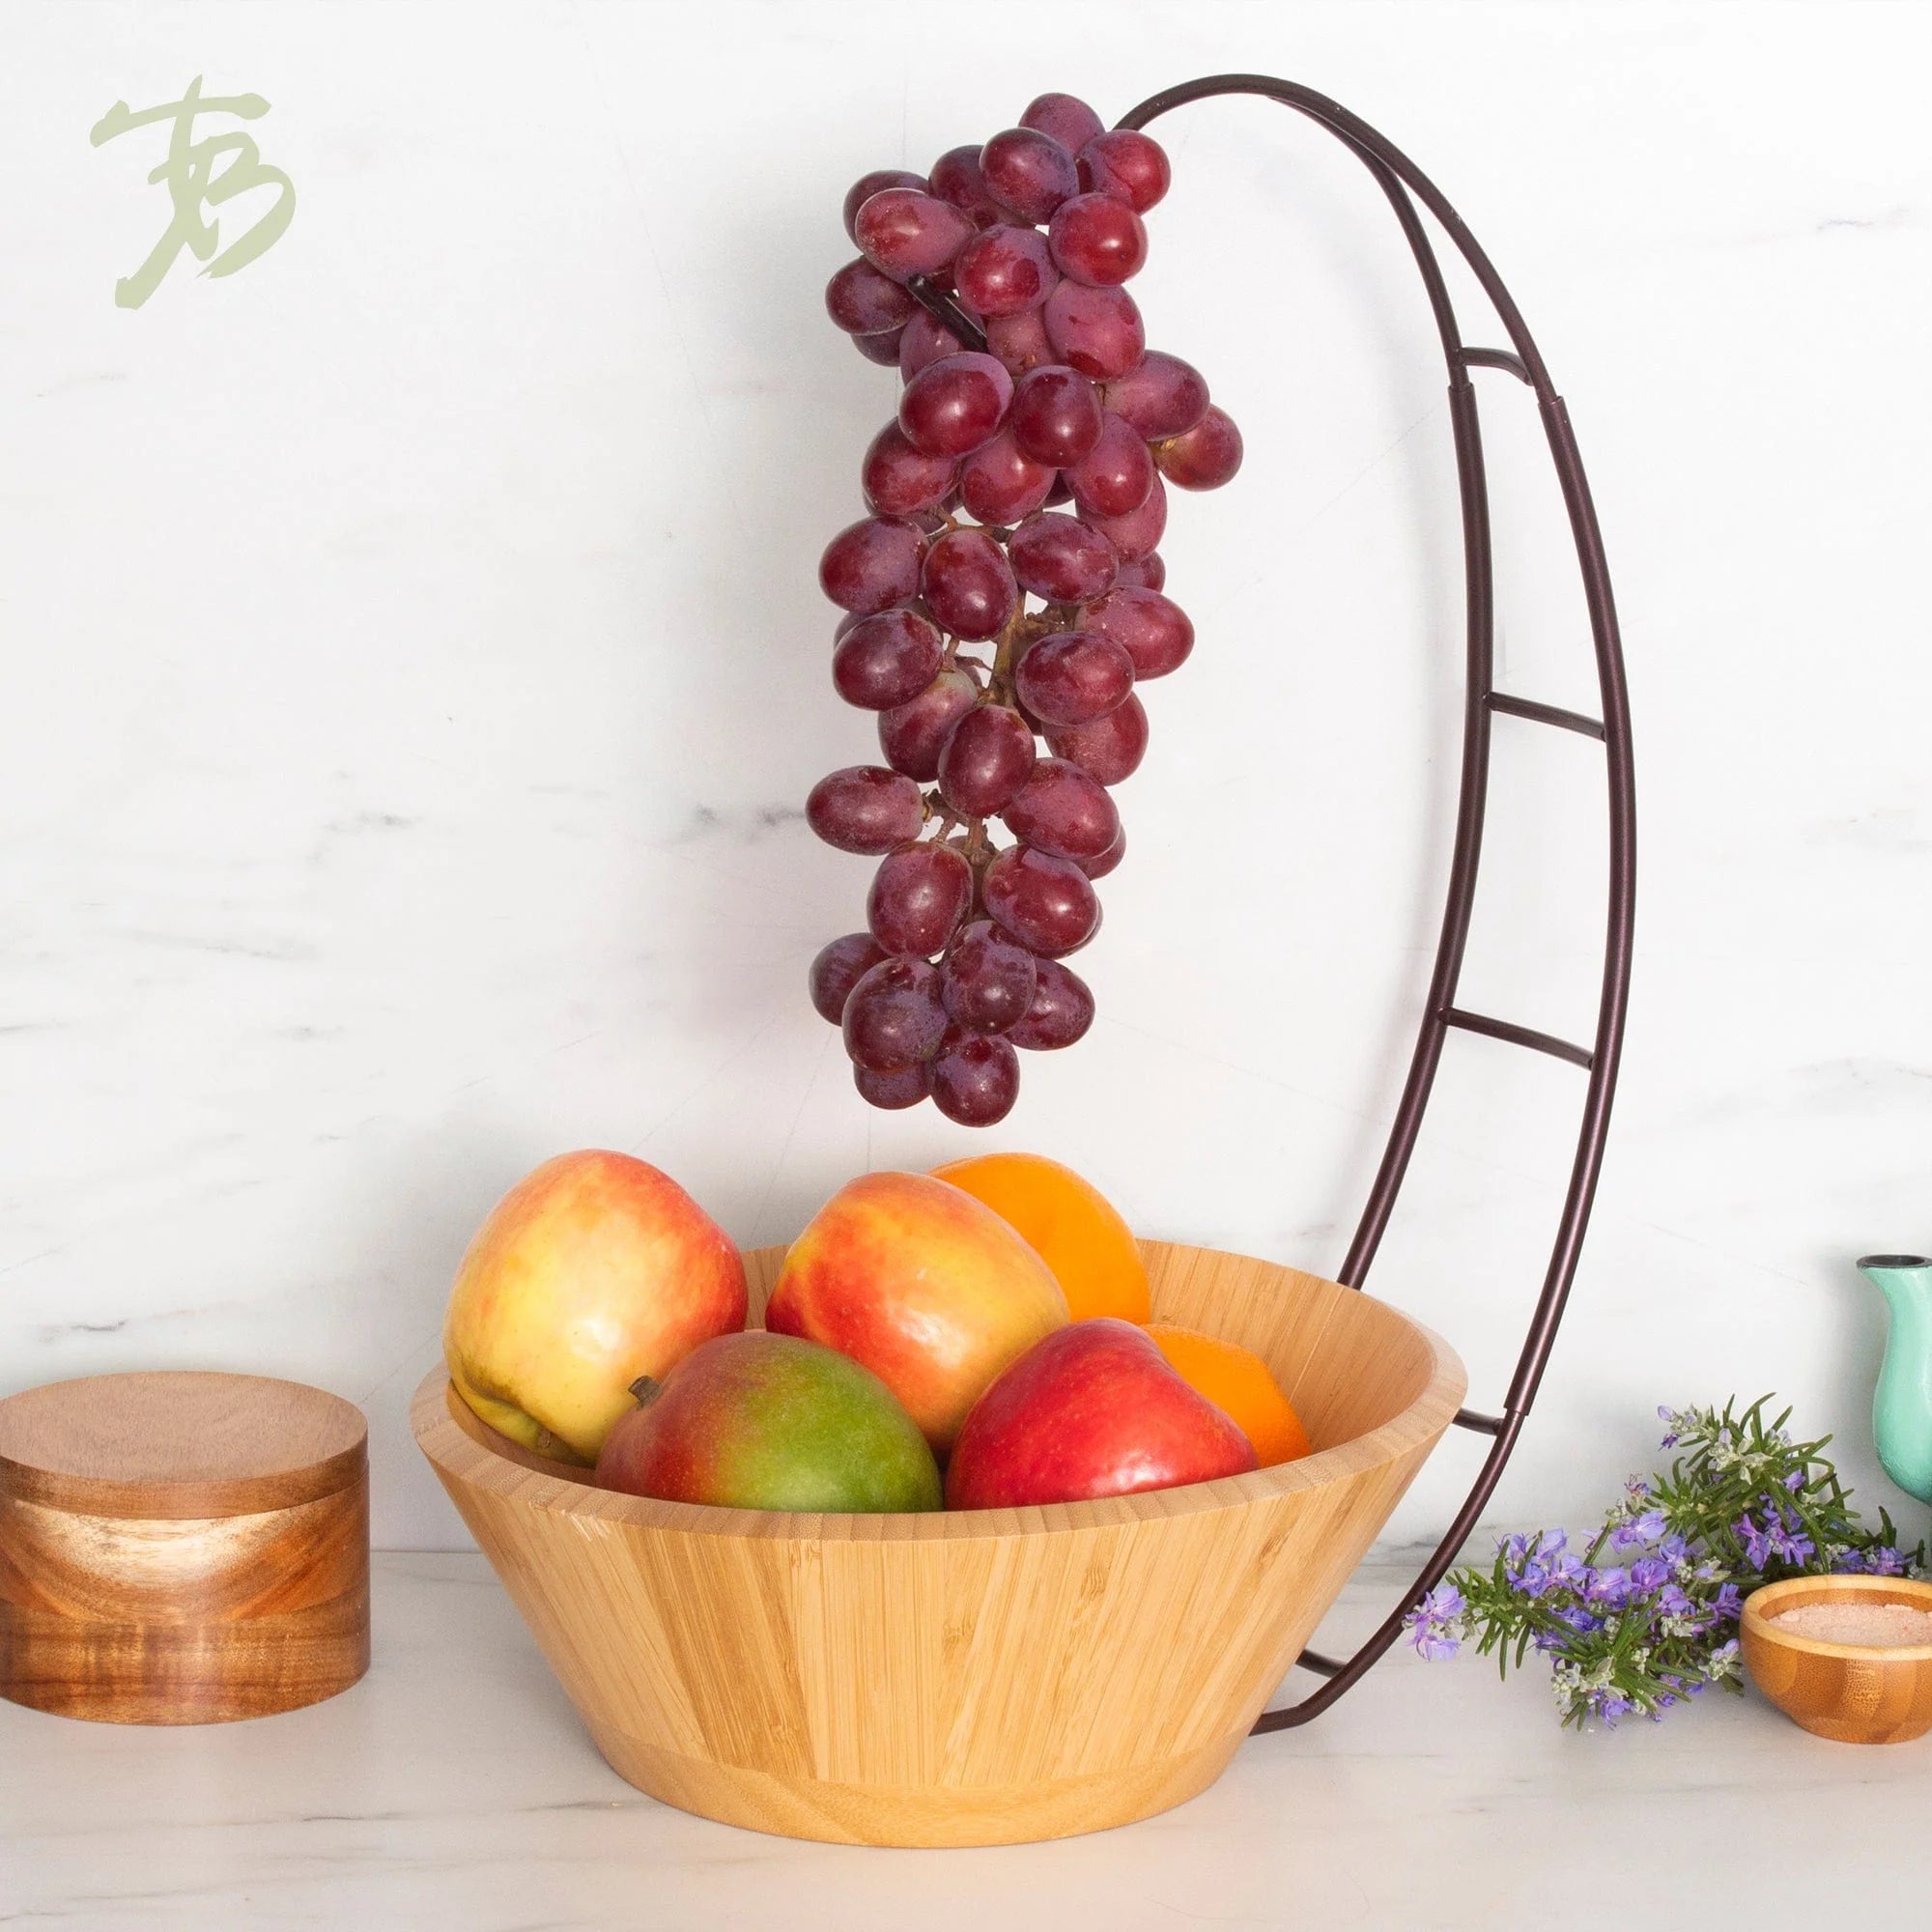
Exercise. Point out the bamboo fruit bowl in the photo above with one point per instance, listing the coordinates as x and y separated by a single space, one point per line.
970 1678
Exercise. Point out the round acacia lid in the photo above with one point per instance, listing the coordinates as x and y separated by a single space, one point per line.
178 1443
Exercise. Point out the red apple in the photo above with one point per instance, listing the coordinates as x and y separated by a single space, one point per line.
1092 1410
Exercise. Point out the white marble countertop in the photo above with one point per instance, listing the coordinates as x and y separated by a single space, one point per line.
454 1788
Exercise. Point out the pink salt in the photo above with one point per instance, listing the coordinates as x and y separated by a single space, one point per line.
1882 1624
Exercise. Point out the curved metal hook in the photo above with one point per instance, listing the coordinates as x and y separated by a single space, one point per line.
1404 185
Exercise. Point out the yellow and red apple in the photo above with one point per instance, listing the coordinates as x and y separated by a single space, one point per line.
593 1271
924 1286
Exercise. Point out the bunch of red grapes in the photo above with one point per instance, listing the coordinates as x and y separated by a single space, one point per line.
980 614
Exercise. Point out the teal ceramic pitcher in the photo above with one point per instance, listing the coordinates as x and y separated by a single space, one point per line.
1902 1406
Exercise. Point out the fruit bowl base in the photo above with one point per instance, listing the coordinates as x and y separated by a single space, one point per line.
913 1815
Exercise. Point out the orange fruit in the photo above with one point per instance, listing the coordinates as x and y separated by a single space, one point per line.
1238 1381
1068 1223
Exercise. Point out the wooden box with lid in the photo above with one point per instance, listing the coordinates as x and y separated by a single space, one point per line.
181 1547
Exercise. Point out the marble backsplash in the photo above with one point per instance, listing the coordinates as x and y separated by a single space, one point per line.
414 669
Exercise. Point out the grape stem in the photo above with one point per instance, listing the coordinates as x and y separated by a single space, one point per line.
946 311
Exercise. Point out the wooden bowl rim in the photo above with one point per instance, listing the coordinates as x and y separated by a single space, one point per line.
1763 1602
460 1445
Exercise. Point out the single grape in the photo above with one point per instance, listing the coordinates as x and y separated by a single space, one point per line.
912 735
956 180
1047 904
1155 631
1099 332
1019 341
1003 271
1206 457
1055 415
1098 241
998 485
862 301
904 231
1116 476
866 808
989 979
1162 396
1028 173
1066 117
1073 677
872 566
866 186
900 479
901 1087
1111 748
1061 560
974 1079
923 341
955 404
1098 868
918 897
887 661
968 587
1145 573
872 184
988 757
1063 812
894 1017
883 348
1062 1009
840 964
1126 163
1136 533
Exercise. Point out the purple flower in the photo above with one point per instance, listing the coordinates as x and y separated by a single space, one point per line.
1608 1586
1533 1567
1673 1422
1880 1561
1730 1601
1429 1623
1610 1705
1648 1573
1673 1548
1786 1533
1671 1602
1756 1542
1795 1481
1644 1528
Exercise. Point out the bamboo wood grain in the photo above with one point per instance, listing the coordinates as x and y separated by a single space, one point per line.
972 1677
1856 1694
182 1547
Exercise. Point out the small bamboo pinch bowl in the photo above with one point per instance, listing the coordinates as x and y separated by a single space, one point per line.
1856 1694
970 1676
